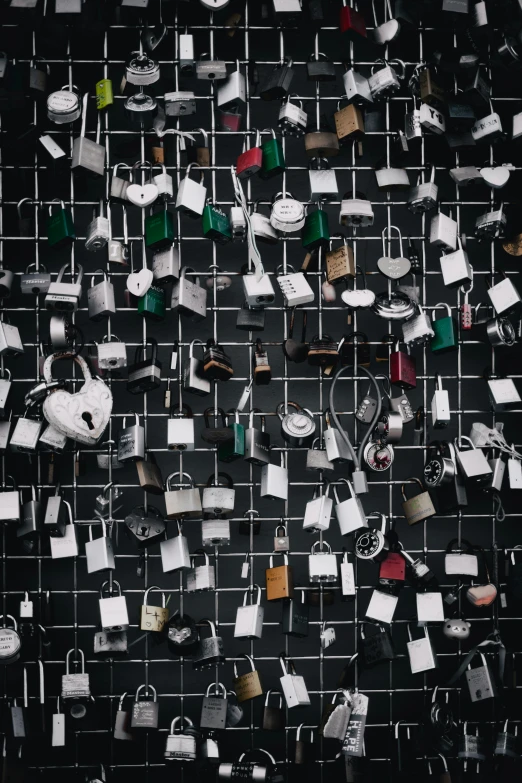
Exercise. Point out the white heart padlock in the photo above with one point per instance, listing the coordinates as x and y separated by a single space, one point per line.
82 416
495 176
138 283
394 268
142 195
361 297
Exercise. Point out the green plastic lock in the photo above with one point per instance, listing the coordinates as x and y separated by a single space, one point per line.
60 227
152 304
273 158
104 94
216 225
159 229
233 449
315 232
445 329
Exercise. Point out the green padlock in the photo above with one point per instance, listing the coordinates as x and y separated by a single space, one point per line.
104 94
159 229
445 329
60 226
315 232
152 304
273 158
233 449
216 225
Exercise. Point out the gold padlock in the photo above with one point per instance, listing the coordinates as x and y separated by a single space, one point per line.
349 122
419 507
153 618
247 686
430 92
321 144
339 263
279 580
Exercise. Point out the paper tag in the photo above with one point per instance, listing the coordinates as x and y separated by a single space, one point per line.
244 398
430 608
421 655
382 606
58 734
503 600
455 563
353 743
245 569
515 473
174 359
347 579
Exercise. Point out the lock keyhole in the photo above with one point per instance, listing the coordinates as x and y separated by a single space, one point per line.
87 417
144 531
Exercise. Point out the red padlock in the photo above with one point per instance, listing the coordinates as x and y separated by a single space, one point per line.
229 120
403 369
250 161
352 23
392 568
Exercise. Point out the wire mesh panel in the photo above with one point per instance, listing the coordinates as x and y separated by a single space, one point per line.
80 50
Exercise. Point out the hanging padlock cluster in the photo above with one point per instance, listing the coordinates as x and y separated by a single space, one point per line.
306 213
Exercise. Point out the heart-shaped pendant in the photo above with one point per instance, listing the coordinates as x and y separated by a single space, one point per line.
394 268
384 33
151 37
361 297
138 283
495 176
142 195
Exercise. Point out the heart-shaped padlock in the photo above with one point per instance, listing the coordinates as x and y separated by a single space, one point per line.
138 283
495 176
394 268
142 195
359 297
151 37
386 32
82 416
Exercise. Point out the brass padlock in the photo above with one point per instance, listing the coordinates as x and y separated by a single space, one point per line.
419 507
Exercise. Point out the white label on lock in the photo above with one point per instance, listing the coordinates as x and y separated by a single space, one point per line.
58 733
515 473
382 607
328 638
430 608
347 579
421 655
506 391
455 563
245 568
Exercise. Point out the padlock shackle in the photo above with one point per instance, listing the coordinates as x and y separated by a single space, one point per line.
169 478
412 478
248 658
198 553
250 590
147 687
67 658
146 595
217 686
271 691
114 582
321 544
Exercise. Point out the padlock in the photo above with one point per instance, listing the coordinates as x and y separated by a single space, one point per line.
277 86
273 717
386 81
98 230
273 158
337 450
432 120
274 478
210 69
250 161
153 618
279 580
192 196
257 443
26 433
287 10
463 561
316 232
145 714
503 394
504 296
216 364
350 513
113 610
131 441
181 746
443 232
295 616
430 608
100 298
327 637
165 265
261 365
180 103
412 124
489 128
371 544
194 380
141 70
215 434
189 298
145 375
88 155
258 293
507 742
321 142
145 527
64 106
421 653
418 329
218 497
122 730
182 503
292 119
391 179
318 511
109 497
210 652
322 566
424 195
356 87
247 686
317 458
215 532
10 503
339 263
31 523
297 425
419 507
159 229
376 647
163 182
491 225
214 708
112 353
455 267
36 282
446 337
320 68
99 552
76 690
480 681
180 431
238 224
349 122
293 685
216 225
473 463
466 175
233 90
65 296
323 180
65 545
402 368
287 214
118 250
294 286
352 23
201 578
234 448
382 607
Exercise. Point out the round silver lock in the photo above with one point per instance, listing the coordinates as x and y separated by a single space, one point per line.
501 331
10 644
394 306
297 426
141 109
61 332
141 69
288 214
63 106
378 456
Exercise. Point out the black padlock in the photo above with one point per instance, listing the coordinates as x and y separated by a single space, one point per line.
320 68
377 647
362 349
323 351
277 86
215 435
216 364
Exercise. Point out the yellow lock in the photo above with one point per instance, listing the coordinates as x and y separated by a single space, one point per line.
104 94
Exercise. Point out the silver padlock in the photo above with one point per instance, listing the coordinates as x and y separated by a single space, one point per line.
440 406
131 441
455 267
180 746
65 296
201 578
76 689
274 481
110 496
417 330
504 296
87 154
99 552
165 265
191 198
443 231
323 181
180 103
293 685
218 500
491 225
424 195
98 230
432 120
213 70
357 87
118 191
292 118
180 429
258 293
473 463
481 684
118 250
318 511
488 128
188 297
140 69
113 610
337 450
503 394
64 105
10 341
163 182
412 123
466 175
317 458
391 179
322 566
65 545
294 286
182 503
386 81
215 532
10 503
112 355
100 298
357 212
382 606
262 227
233 90
350 513
287 215
194 380
26 434
210 651
175 552
249 617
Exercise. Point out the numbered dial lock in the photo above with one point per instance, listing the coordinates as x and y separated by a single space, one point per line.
378 456
141 69
439 469
297 426
366 410
372 544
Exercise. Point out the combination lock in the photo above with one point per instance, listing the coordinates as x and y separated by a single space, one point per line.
402 406
372 544
366 410
438 470
141 70
378 456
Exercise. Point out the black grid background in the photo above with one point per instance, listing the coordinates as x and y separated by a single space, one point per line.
83 54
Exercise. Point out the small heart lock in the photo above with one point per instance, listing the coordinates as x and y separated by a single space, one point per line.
142 195
495 176
386 32
138 283
360 297
84 415
151 37
394 268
